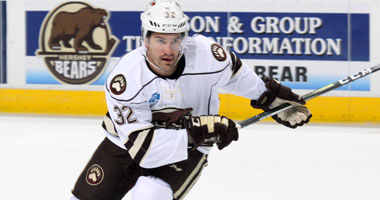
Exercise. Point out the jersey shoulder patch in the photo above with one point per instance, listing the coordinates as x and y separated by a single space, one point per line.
206 55
218 52
129 76
118 84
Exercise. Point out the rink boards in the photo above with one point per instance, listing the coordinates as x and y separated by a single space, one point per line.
92 103
303 44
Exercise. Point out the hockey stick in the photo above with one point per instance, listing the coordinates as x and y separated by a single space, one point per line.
308 96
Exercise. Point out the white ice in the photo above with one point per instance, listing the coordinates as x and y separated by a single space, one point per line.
41 158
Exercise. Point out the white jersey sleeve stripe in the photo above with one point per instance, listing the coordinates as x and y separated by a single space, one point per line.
108 125
138 150
236 64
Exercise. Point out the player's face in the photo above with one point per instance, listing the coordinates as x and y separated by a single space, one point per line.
163 51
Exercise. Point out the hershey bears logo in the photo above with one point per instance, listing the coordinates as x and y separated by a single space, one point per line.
94 175
218 52
76 42
118 84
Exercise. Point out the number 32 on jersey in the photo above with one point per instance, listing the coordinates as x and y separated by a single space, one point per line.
124 114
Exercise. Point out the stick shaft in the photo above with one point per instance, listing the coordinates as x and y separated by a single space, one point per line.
309 96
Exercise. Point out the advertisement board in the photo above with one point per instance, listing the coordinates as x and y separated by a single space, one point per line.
302 50
59 53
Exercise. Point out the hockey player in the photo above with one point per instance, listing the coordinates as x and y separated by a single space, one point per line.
162 117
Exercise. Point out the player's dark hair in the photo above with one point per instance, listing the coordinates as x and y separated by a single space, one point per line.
148 34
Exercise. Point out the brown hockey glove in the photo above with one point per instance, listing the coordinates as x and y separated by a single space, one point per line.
278 94
226 138
211 129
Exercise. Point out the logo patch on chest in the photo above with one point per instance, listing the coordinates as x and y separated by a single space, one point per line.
154 99
218 52
118 84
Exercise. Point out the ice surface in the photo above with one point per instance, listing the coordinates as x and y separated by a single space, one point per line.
41 158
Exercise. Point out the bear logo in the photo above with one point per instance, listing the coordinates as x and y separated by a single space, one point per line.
118 84
76 42
218 52
94 175
79 26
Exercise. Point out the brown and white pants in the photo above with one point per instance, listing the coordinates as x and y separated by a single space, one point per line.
111 173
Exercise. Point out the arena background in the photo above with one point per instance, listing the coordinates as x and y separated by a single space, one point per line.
304 44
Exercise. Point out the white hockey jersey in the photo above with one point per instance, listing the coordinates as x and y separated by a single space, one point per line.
133 92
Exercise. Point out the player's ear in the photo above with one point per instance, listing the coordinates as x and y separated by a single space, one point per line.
146 42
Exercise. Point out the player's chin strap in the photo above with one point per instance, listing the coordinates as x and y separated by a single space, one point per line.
159 68
152 64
